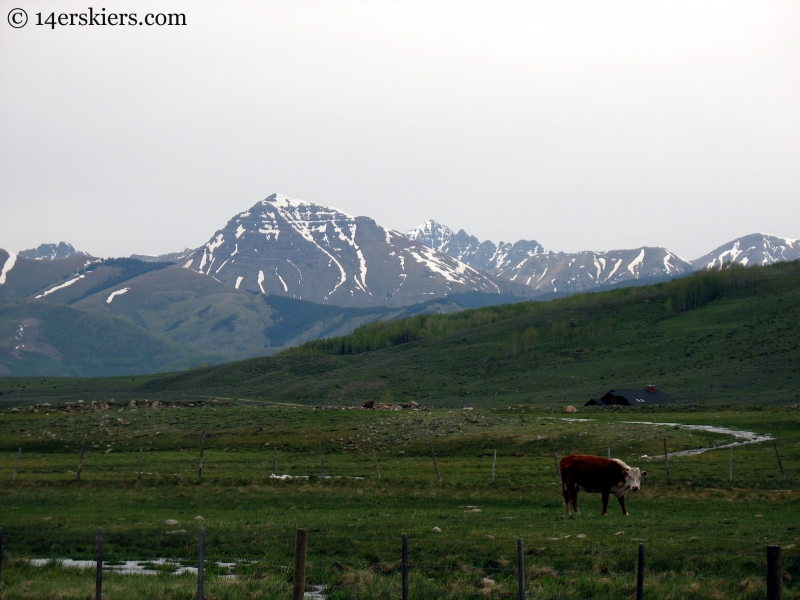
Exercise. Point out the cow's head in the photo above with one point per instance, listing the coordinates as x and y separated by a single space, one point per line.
633 478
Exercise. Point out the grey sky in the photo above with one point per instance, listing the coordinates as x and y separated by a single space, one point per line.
583 125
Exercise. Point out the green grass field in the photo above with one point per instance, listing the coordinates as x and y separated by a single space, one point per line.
705 536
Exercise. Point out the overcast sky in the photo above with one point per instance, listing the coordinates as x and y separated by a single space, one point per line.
583 125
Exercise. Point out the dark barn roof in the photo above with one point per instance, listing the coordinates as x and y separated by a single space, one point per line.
649 395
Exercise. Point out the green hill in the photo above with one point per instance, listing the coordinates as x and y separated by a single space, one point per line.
727 336
44 338
30 276
167 319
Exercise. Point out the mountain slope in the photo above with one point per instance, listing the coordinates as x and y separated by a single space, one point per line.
46 339
753 249
721 337
21 277
175 257
581 271
209 316
145 317
729 336
311 252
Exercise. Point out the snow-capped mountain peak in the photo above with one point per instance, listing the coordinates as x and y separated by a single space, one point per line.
315 252
432 234
753 249
467 248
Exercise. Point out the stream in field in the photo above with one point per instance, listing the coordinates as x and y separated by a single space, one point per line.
744 437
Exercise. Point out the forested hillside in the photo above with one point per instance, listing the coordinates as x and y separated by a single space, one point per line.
724 336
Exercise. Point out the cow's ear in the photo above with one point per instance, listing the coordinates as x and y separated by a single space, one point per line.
644 474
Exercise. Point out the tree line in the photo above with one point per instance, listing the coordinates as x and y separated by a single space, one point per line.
676 296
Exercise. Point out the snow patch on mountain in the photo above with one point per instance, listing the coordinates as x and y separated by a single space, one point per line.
636 262
7 266
60 287
119 292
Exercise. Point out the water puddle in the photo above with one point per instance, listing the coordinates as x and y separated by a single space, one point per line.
287 477
315 593
146 567
128 567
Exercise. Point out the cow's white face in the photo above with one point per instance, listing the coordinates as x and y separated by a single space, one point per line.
633 478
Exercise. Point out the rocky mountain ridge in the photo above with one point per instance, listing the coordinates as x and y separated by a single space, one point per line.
52 252
307 251
753 249
547 272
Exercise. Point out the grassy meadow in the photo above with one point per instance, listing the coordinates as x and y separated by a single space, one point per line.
705 536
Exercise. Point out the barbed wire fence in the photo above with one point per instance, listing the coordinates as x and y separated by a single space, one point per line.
490 579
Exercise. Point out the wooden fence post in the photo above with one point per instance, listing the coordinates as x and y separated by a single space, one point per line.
321 468
375 456
521 567
774 583
404 566
555 458
202 448
640 573
780 464
80 459
666 459
730 473
494 464
98 583
435 466
300 548
201 563
140 462
16 464
609 453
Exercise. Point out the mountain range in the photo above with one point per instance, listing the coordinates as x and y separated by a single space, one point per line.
284 272
559 273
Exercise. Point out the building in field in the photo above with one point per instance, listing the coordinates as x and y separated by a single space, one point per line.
648 396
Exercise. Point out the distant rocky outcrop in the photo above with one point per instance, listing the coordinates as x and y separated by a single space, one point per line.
52 252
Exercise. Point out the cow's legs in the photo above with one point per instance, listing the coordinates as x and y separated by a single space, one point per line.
575 501
622 504
605 502
566 495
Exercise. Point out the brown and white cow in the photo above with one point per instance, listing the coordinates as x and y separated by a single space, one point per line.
597 474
